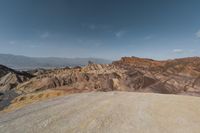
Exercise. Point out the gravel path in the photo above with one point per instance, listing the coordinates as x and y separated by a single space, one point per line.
107 112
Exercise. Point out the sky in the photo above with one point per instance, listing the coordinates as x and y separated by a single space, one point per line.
110 29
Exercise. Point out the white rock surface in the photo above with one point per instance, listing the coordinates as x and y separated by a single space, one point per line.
107 112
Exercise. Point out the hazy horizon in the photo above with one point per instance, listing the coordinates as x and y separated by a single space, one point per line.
53 56
108 29
109 59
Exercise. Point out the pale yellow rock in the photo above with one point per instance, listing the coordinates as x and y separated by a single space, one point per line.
115 83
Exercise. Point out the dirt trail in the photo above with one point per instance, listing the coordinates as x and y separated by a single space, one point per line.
102 112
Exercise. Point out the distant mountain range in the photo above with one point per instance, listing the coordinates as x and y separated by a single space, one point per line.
24 62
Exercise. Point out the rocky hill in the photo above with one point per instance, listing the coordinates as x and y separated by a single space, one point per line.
179 76
9 79
103 112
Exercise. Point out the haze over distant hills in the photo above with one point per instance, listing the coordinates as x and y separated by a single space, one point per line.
24 62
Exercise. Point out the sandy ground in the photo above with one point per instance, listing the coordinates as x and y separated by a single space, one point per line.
106 112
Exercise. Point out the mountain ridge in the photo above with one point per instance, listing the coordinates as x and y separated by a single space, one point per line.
25 62
132 74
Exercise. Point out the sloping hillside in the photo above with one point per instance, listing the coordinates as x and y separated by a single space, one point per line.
179 76
9 79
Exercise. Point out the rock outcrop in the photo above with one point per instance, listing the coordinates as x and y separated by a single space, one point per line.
9 79
179 76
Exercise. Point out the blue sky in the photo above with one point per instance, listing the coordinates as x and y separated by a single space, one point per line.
159 29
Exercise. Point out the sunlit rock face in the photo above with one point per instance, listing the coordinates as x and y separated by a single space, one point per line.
180 76
132 74
10 78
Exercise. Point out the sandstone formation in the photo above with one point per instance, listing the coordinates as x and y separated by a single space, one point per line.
103 112
179 76
10 78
